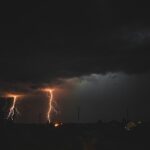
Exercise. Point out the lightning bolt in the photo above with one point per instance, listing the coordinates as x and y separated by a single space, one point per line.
50 105
13 108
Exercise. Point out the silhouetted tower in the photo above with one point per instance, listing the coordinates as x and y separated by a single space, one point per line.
78 113
127 114
40 118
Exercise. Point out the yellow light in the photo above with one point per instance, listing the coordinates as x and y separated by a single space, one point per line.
56 125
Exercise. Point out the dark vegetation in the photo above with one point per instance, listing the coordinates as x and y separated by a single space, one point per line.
98 136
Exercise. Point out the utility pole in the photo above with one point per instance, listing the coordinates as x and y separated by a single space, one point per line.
127 114
40 118
78 113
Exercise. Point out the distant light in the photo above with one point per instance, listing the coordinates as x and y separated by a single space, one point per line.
130 126
56 125
139 122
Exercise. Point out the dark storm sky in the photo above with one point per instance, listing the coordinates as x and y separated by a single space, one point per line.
101 43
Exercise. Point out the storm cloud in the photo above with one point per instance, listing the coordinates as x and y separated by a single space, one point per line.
79 47
67 39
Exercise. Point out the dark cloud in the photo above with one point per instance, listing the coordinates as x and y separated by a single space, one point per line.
78 47
45 41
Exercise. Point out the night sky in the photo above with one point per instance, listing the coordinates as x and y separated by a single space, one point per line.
94 53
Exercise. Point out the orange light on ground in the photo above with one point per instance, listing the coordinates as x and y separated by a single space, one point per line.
58 124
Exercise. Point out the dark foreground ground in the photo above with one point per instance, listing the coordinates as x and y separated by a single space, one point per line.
74 137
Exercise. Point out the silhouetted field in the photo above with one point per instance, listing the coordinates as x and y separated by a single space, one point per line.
74 137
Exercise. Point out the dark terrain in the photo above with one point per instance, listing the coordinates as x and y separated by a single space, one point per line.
98 136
